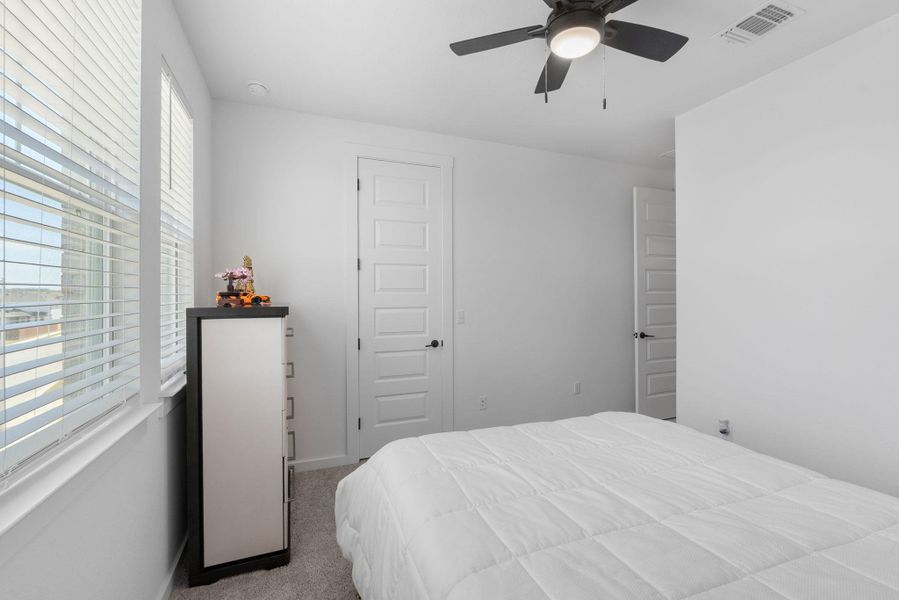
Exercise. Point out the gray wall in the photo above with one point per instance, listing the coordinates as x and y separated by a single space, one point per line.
543 265
788 261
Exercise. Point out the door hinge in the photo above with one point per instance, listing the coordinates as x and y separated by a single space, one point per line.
359 424
358 264
358 184
359 343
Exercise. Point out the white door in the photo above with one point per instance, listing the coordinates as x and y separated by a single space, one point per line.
655 311
401 285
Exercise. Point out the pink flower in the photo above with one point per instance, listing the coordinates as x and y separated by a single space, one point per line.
235 274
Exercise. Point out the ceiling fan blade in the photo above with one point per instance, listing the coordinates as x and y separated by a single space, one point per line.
648 42
615 5
553 74
496 40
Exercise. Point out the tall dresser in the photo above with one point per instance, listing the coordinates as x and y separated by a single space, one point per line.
238 488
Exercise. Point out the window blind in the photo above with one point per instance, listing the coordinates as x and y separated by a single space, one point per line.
69 172
177 227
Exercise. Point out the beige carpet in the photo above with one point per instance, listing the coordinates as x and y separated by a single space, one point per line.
317 570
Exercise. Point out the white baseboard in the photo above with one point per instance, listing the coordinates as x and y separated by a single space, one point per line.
313 464
165 591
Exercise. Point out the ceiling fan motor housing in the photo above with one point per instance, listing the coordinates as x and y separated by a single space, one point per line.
574 33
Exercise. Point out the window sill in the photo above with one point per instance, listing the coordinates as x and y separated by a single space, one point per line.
22 493
172 395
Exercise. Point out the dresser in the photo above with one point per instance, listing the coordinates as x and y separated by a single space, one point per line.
238 480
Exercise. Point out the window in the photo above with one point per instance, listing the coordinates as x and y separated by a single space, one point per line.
177 227
70 212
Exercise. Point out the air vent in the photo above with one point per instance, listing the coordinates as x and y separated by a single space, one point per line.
763 21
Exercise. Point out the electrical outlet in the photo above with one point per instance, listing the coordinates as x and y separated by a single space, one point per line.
724 429
577 388
483 400
460 317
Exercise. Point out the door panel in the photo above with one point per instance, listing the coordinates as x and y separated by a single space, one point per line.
655 311
401 279
401 284
408 235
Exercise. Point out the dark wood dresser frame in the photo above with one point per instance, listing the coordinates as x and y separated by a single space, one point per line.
198 574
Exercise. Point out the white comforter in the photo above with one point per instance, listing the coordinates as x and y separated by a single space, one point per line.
610 506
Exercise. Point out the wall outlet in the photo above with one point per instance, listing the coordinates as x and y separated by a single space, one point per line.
460 317
483 400
724 429
576 388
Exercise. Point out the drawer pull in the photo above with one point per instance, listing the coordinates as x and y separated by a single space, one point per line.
290 496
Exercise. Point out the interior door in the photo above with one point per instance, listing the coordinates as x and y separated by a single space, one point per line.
401 284
655 311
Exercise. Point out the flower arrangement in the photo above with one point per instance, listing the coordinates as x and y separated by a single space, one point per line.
240 274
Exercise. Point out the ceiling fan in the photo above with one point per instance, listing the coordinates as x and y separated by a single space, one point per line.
575 28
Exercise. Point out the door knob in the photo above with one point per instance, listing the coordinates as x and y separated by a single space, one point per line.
643 336
433 344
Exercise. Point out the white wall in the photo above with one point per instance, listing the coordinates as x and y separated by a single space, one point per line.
788 261
114 531
543 264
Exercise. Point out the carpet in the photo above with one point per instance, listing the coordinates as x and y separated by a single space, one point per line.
317 569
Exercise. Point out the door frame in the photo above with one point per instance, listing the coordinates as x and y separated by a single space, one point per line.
353 154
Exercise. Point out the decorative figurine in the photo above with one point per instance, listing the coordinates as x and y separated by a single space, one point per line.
243 293
248 285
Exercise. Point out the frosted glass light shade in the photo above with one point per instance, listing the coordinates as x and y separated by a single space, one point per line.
575 42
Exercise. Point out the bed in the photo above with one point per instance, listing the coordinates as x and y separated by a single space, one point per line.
615 505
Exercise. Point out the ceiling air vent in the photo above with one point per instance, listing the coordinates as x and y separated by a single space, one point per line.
766 19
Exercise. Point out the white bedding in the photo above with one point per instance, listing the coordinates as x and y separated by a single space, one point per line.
610 506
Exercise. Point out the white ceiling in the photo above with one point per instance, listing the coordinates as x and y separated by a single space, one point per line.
388 61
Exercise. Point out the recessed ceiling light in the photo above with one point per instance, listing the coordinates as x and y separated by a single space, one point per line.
257 89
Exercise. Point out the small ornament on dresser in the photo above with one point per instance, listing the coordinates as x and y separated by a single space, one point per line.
248 285
241 291
236 274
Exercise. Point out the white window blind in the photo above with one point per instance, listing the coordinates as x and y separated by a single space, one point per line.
70 214
177 227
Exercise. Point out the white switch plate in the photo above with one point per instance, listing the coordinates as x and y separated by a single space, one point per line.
460 317
577 387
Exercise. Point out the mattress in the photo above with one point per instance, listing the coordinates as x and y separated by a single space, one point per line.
609 506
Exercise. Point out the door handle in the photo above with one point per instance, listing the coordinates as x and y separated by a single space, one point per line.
433 344
643 336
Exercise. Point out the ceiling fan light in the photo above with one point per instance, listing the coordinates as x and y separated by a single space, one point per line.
575 42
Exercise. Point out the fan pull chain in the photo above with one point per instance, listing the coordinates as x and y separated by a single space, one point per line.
605 103
546 78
